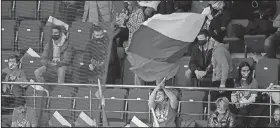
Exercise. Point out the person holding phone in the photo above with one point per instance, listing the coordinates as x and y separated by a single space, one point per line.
165 104
222 117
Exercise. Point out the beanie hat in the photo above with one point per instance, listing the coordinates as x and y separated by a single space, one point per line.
151 4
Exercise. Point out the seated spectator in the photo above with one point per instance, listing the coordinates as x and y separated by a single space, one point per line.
222 117
165 104
243 99
222 67
24 116
276 122
57 55
14 74
201 55
272 42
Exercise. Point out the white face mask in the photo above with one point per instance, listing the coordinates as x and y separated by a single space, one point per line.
12 65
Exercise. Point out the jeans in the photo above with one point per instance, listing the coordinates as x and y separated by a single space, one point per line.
271 44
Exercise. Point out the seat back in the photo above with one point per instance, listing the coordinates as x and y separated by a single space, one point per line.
81 72
236 62
191 104
29 35
26 9
115 105
8 34
49 8
80 34
61 98
267 71
243 22
36 102
236 45
6 9
255 43
180 78
47 32
138 104
29 65
83 102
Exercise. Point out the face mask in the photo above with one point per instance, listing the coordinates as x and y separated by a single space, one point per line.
55 37
202 42
13 65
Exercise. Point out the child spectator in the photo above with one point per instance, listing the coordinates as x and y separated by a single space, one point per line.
243 99
14 74
276 122
24 116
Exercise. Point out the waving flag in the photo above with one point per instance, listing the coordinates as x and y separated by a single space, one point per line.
135 122
160 42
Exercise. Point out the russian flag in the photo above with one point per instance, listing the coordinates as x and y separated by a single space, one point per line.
85 121
160 42
58 120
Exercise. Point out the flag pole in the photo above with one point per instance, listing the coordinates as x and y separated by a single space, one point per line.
104 117
155 118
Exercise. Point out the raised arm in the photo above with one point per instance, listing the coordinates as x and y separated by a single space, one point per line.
172 97
151 102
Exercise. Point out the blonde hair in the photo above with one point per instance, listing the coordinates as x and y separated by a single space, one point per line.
224 101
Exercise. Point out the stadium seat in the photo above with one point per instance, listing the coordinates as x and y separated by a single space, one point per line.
243 22
255 43
80 34
6 9
61 98
115 105
237 61
180 78
193 106
267 71
121 55
49 8
29 35
84 104
8 34
4 57
40 102
236 45
139 104
29 65
47 36
128 75
26 9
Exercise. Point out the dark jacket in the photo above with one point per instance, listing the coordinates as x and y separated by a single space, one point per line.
217 22
65 54
166 7
274 124
198 60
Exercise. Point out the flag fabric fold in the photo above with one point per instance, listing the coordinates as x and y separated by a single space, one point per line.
160 42
85 121
58 120
135 122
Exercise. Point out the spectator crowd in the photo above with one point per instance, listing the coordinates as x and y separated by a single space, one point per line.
210 59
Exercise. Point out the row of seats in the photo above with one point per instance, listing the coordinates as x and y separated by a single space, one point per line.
31 33
29 9
134 102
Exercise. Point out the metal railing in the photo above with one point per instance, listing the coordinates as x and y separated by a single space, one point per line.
140 87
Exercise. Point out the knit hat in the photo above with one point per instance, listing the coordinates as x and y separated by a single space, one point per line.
276 22
151 4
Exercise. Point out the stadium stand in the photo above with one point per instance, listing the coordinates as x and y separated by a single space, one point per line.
8 34
255 43
29 35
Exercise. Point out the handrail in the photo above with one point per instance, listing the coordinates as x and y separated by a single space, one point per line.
142 86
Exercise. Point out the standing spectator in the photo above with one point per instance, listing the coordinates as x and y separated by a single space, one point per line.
165 104
272 42
57 55
243 99
201 55
14 74
222 117
222 68
24 116
150 8
276 122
